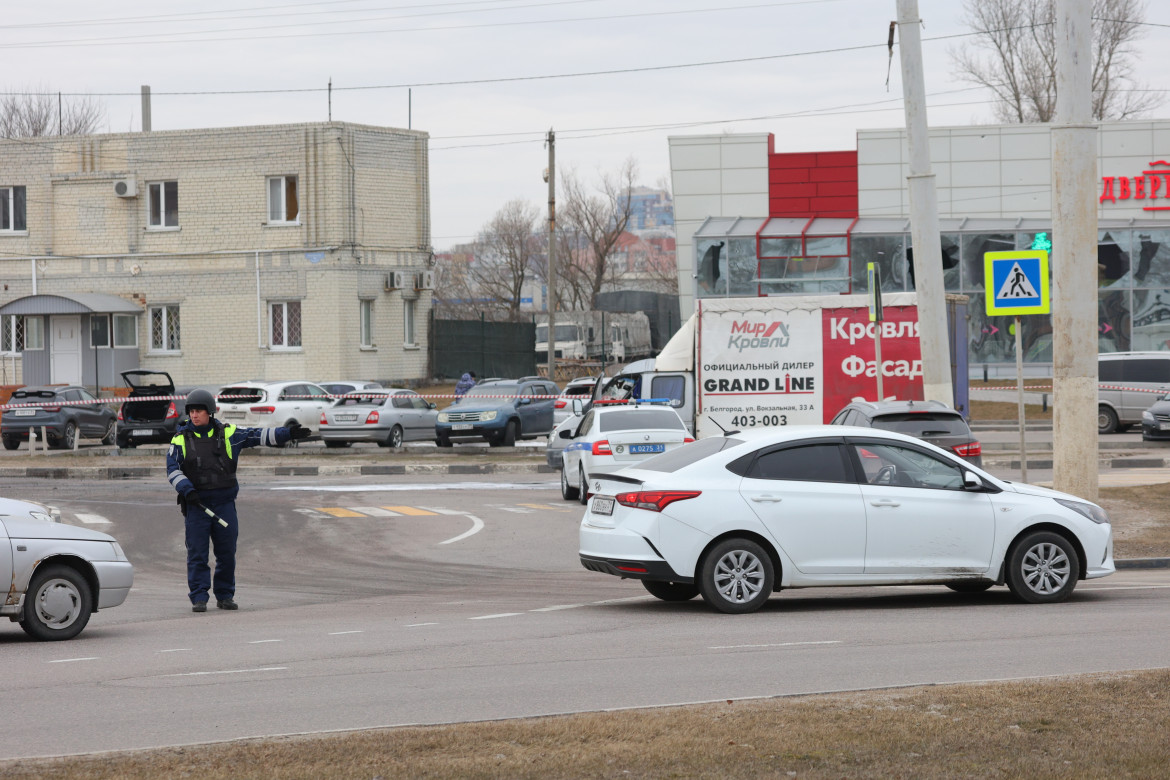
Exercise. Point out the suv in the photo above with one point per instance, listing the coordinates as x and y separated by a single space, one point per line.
500 411
1130 382
147 422
66 412
931 421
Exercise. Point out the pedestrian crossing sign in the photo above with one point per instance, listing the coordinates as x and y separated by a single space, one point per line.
1016 283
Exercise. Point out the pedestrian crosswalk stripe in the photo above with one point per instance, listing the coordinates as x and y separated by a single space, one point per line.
374 511
547 507
92 519
442 511
337 511
409 510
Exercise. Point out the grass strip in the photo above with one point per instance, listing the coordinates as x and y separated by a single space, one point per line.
1088 726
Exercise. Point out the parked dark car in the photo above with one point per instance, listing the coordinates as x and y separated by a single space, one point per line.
66 412
500 411
931 421
1156 420
147 422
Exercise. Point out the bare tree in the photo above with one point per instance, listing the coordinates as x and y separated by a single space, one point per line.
508 252
37 112
596 220
1014 55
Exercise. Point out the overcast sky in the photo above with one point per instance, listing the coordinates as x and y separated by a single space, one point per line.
487 138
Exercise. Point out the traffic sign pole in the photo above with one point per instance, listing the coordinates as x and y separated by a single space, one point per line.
876 316
1020 401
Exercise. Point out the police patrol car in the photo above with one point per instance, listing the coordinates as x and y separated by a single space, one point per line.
616 434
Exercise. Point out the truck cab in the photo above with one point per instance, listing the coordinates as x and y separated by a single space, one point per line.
639 380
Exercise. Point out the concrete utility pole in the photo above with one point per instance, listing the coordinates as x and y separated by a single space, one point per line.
1074 246
551 177
146 108
924 230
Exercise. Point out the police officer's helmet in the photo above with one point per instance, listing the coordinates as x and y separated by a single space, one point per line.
200 399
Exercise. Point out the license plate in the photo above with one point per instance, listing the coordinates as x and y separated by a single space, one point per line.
345 417
23 412
462 427
640 449
234 415
141 432
601 506
1162 426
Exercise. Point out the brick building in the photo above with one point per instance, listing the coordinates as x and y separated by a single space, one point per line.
271 252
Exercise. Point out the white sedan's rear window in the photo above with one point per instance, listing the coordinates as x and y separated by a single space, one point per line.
638 419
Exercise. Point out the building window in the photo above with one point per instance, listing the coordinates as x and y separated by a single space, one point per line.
125 330
283 208
164 328
164 204
284 323
34 333
99 330
408 322
366 315
12 209
11 334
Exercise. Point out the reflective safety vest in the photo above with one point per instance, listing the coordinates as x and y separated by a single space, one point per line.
207 459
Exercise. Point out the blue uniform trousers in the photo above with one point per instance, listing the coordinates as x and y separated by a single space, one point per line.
202 532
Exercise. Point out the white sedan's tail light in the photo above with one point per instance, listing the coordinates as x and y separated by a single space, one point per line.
655 500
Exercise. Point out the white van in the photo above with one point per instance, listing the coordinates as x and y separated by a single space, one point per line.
1129 383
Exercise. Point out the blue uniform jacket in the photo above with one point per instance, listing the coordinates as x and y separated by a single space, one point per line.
237 439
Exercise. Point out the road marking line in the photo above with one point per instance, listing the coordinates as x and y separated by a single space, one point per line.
619 601
416 625
176 650
71 660
515 509
339 633
476 527
1126 587
546 507
375 511
442 511
229 671
337 511
558 606
92 519
493 617
409 510
778 644
264 641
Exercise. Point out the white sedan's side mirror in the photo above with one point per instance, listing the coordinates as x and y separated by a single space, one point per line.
578 407
971 481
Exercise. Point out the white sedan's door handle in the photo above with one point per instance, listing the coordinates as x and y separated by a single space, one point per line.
767 498
884 502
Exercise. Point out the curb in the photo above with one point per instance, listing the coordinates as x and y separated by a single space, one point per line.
352 470
1142 563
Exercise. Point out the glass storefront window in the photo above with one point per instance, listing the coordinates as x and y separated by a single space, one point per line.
890 255
993 339
742 267
710 268
1113 258
975 246
780 247
1153 258
1151 320
1113 321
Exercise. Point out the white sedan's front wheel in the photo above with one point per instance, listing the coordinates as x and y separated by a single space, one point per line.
1042 568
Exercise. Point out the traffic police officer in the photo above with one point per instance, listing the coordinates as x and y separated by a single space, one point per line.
201 466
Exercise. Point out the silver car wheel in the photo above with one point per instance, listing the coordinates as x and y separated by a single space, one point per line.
739 577
58 604
1046 568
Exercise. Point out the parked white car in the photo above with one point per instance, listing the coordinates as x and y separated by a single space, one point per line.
57 575
272 404
736 518
612 436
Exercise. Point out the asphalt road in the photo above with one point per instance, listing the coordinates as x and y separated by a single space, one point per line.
366 605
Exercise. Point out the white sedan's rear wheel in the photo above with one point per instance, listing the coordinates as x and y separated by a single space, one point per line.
736 576
568 492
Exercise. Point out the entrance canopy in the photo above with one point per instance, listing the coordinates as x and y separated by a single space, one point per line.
70 303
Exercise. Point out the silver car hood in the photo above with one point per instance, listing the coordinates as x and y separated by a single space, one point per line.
16 517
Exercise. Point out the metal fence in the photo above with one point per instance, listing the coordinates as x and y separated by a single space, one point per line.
503 349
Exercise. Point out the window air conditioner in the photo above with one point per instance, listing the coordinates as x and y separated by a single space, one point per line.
426 280
126 188
396 280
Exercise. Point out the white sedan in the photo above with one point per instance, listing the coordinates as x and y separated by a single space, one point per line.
736 518
613 435
58 574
